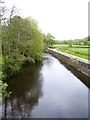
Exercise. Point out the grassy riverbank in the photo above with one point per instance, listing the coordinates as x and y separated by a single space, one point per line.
77 50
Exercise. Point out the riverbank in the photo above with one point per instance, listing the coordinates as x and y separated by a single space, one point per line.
80 64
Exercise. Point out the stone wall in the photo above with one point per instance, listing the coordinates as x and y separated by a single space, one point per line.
80 64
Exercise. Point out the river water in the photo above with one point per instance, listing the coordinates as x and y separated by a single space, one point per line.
46 90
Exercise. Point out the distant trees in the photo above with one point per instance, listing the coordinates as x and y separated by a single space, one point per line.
84 41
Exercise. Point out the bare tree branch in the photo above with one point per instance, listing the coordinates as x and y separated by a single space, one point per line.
13 11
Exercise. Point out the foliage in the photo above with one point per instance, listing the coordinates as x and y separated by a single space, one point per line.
21 41
49 40
3 85
84 41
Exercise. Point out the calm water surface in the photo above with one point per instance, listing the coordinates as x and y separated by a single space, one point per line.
46 90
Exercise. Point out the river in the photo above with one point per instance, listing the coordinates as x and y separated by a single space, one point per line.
46 90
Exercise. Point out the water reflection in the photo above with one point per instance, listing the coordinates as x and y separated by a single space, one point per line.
82 77
46 90
26 88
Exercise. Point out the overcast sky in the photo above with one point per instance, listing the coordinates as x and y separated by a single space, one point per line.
64 19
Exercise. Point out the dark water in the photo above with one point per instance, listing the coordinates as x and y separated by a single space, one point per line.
46 90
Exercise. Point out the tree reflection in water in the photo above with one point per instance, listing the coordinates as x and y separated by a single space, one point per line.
26 88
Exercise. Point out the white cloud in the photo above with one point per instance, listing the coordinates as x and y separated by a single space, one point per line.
65 19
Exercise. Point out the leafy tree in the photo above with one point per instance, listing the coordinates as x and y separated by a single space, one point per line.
22 41
49 40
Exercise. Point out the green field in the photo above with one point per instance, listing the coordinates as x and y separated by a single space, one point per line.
77 50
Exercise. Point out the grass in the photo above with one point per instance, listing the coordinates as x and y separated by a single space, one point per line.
77 50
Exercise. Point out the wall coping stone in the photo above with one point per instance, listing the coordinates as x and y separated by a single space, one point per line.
72 56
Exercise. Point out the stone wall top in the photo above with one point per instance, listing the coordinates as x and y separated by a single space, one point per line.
72 56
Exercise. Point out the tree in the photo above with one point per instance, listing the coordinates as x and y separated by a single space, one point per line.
22 41
2 11
49 40
70 42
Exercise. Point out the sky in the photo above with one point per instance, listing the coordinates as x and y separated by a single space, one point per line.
64 19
